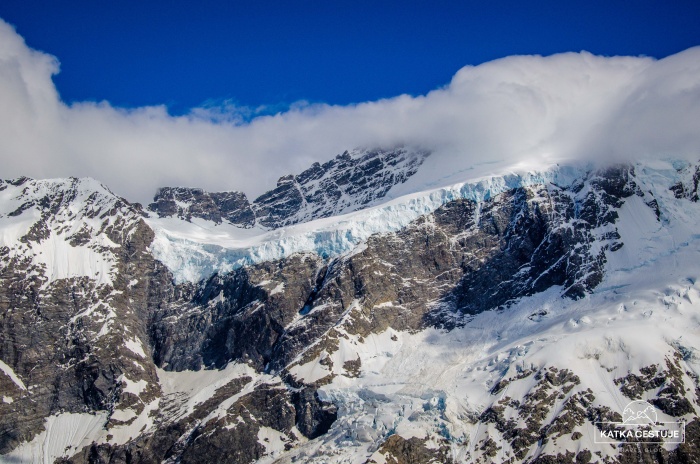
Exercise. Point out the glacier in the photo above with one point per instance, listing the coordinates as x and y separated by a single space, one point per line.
195 250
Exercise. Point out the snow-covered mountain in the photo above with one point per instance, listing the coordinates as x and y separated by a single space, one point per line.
341 318
349 182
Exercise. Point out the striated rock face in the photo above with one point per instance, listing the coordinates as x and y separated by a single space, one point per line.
349 182
74 296
522 242
506 329
237 316
466 258
186 203
243 433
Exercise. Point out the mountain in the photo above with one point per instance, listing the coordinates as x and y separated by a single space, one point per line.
350 181
339 318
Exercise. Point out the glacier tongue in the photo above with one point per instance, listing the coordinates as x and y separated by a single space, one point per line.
193 251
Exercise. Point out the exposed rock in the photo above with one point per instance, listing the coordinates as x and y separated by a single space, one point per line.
349 182
398 450
313 416
234 317
534 411
186 203
62 336
688 187
671 395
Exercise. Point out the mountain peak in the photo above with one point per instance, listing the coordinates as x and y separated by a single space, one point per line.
349 182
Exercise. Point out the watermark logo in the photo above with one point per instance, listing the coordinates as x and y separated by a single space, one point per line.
639 412
639 424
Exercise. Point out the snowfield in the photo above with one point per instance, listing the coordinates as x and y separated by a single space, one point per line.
78 205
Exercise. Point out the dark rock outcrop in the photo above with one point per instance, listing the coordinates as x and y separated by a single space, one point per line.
349 182
65 338
186 203
688 187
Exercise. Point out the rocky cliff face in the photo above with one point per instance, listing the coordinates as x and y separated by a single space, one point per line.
491 330
350 181
186 203
76 286
462 259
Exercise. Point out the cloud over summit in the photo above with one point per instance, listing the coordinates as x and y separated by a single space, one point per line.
520 109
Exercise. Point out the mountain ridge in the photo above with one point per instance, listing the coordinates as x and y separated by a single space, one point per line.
496 321
348 182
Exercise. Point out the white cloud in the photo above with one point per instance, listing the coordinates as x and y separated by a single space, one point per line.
516 109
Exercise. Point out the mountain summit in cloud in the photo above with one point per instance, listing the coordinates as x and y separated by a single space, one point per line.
525 111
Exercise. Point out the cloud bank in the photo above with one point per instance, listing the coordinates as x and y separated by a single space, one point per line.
520 109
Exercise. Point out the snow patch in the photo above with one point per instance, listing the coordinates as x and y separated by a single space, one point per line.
142 424
64 435
278 289
197 387
132 387
123 415
272 440
134 345
11 374
68 243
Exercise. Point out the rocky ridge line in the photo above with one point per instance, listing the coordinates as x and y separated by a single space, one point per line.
349 182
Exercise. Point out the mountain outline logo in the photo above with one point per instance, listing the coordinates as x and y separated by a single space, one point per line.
639 412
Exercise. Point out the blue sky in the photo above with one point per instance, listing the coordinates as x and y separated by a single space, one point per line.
141 95
185 54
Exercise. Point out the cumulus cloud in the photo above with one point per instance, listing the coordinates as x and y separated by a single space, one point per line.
518 110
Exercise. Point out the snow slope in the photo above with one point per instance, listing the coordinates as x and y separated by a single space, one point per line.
55 224
7 370
65 434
